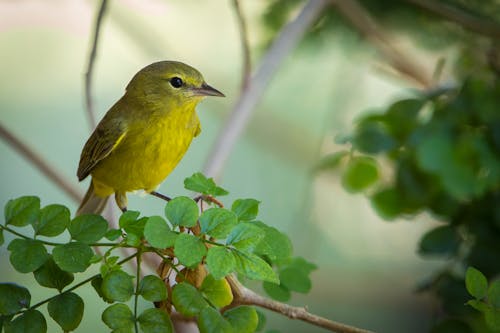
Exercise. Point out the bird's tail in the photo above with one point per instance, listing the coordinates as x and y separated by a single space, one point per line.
92 203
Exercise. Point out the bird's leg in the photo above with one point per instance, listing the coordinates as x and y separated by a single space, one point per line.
121 201
161 196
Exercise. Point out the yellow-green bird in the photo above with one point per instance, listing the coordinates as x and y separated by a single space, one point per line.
144 135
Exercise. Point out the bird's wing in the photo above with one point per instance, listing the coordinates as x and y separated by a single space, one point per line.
106 137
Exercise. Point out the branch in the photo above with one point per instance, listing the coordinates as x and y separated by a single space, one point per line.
245 296
247 65
485 27
286 41
40 163
361 19
90 66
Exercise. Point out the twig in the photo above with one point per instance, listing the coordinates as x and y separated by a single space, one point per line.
480 25
361 19
90 66
245 296
287 39
40 163
247 65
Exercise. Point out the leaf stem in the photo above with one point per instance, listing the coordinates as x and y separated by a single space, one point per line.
136 296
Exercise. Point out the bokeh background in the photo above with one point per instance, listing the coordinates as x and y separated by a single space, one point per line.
368 268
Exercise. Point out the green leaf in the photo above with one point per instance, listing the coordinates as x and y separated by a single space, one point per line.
201 184
188 300
262 321
27 255
243 319
117 286
254 267
331 161
128 218
67 310
246 209
277 291
217 222
73 257
220 261
22 211
158 234
13 298
189 249
387 203
152 288
361 172
492 317
155 321
182 211
478 305
118 316
372 137
218 292
88 228
494 294
476 283
443 240
49 275
275 244
113 234
211 321
53 220
295 279
32 321
2 239
245 236
97 284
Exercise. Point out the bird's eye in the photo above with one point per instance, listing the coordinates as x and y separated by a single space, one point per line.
176 82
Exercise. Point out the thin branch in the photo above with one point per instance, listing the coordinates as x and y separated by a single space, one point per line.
40 163
361 20
479 25
286 41
245 296
247 65
90 66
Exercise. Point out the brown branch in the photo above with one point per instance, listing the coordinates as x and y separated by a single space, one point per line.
245 296
90 66
40 163
247 65
361 19
482 26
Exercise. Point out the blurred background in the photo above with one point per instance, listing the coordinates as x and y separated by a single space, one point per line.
368 268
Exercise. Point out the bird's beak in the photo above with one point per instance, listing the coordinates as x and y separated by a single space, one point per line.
206 90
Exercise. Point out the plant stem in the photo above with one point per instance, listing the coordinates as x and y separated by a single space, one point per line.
136 296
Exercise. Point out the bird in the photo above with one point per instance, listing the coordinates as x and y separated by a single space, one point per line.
144 135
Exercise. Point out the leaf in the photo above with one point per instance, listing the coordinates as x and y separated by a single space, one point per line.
492 317
217 222
128 218
254 267
243 319
22 211
277 291
331 161
32 321
476 283
97 284
189 249
295 279
118 316
211 321
387 203
262 321
361 172
443 240
494 294
201 184
275 244
117 286
478 305
88 228
220 261
245 236
2 239
182 211
13 298
113 234
188 300
158 234
53 220
152 288
155 321
67 310
73 257
245 209
372 137
49 275
27 255
218 292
